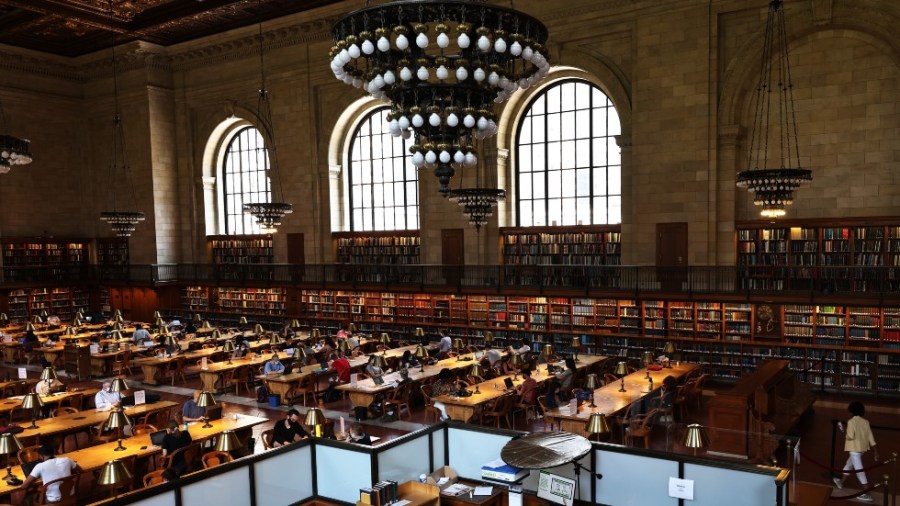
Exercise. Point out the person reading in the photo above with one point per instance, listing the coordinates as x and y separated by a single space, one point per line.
191 412
51 468
173 441
288 430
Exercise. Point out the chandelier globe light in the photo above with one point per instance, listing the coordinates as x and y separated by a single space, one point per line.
442 65
773 185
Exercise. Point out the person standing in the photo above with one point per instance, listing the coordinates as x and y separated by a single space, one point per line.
858 439
51 468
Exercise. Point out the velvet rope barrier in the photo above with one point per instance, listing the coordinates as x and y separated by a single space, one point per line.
854 496
841 470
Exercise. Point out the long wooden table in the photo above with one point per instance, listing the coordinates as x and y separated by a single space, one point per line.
76 422
11 403
610 400
212 375
464 408
95 457
282 384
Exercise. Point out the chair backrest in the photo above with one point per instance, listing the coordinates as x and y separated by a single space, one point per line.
154 478
68 488
76 401
28 454
214 458
266 436
143 428
426 394
190 453
67 410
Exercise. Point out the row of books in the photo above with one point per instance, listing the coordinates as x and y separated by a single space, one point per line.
379 494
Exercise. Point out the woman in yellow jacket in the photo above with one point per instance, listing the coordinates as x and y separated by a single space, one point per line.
858 439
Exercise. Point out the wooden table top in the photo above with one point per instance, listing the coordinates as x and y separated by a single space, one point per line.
88 418
311 369
13 402
609 400
255 361
368 385
17 382
95 457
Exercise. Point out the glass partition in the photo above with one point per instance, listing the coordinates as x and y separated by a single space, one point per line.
284 478
405 461
225 488
341 472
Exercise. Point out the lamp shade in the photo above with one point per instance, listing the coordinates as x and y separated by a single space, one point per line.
258 329
36 319
669 348
49 374
216 334
206 399
548 350
197 318
117 419
77 321
295 324
70 331
621 369
647 358
458 344
113 472
421 352
32 401
276 339
157 315
476 371
576 343
170 340
385 339
695 436
228 441
205 325
116 335
315 417
592 382
228 346
9 444
119 385
159 322
515 360
117 313
379 361
315 333
79 314
119 326
118 318
420 332
44 314
29 326
488 337
300 353
4 319
243 320
596 424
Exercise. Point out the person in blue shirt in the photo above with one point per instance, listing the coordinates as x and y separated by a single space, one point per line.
274 366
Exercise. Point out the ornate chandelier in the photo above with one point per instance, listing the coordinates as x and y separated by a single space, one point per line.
478 202
13 150
122 222
773 187
443 65
268 215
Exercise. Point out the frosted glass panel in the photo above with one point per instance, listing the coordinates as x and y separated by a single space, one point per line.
645 480
404 462
470 450
166 499
437 439
232 487
714 487
284 479
354 468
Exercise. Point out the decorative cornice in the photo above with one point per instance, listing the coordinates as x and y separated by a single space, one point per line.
821 12
11 62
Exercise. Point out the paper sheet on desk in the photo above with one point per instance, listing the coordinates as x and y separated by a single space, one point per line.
484 490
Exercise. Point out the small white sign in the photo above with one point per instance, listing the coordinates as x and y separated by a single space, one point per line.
23 373
95 349
140 397
681 489
204 363
353 379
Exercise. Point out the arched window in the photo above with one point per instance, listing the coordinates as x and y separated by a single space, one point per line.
383 184
244 180
569 166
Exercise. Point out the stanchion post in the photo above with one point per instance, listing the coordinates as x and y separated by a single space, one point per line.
894 479
886 489
833 442
791 477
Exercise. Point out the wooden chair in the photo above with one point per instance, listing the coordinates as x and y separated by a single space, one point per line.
499 409
527 409
68 488
641 426
190 452
695 390
28 454
305 388
542 404
143 428
431 412
214 458
154 478
66 410
237 377
121 365
266 437
99 434
75 401
399 398
177 370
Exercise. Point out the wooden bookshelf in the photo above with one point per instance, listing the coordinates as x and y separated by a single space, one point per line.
64 302
112 251
260 301
578 245
388 248
195 299
241 249
40 252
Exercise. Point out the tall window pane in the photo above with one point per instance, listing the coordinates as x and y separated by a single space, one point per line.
383 182
244 180
566 146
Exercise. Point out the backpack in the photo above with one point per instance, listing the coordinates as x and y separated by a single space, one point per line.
331 394
262 394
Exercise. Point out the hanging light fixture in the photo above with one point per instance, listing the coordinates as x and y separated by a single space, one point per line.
122 223
13 150
773 186
268 214
477 202
442 65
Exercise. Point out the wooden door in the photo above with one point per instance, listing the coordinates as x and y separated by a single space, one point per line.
453 254
671 255
296 255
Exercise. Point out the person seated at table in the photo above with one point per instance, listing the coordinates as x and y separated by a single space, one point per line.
173 349
342 367
408 360
273 366
444 346
328 348
46 387
51 468
342 333
661 398
287 332
30 341
445 385
521 348
52 340
353 345
106 399
240 351
492 355
191 412
371 369
141 334
288 430
189 329
566 376
358 435
528 389
552 398
241 340
174 440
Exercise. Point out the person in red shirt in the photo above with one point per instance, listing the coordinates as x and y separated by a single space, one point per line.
342 367
528 388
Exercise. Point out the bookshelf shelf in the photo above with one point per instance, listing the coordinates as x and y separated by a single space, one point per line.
241 249
386 248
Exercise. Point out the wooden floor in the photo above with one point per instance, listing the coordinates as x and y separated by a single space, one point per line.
815 434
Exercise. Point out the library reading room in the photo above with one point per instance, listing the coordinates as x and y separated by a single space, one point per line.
449 252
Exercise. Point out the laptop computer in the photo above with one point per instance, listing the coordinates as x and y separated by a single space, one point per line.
214 413
509 383
29 466
379 380
323 365
149 344
156 438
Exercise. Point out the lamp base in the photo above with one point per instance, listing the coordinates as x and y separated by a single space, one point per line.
206 425
622 388
120 447
33 425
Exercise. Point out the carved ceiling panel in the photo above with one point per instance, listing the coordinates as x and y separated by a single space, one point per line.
76 27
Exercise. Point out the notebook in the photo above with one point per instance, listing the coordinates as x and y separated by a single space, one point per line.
156 438
214 413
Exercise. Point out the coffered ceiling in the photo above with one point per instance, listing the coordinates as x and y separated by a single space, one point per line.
76 27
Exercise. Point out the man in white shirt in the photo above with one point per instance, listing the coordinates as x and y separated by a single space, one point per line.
45 387
140 335
446 345
51 468
493 355
106 399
